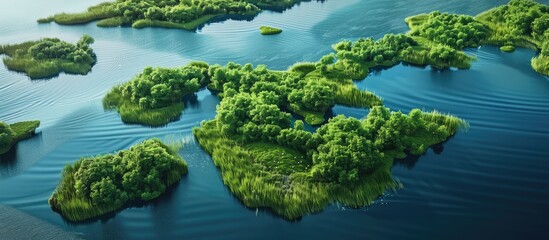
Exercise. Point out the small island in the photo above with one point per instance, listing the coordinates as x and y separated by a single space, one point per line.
266 30
179 14
94 186
49 57
155 97
10 134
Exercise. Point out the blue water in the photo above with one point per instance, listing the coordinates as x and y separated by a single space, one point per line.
491 182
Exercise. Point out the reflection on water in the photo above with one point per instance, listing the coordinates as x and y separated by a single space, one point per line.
490 182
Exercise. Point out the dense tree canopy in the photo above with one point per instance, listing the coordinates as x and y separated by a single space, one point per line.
53 48
161 87
456 31
105 183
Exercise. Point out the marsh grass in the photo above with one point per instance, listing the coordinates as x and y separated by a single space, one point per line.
101 11
291 196
278 159
303 68
350 95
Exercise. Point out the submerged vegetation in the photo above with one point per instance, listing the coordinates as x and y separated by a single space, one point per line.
181 14
94 186
266 30
50 56
10 134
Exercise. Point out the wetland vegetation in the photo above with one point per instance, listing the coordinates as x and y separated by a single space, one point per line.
48 57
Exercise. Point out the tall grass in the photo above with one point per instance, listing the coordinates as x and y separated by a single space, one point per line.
452 123
303 67
350 95
101 11
290 196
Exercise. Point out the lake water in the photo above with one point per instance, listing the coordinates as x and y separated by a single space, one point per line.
491 182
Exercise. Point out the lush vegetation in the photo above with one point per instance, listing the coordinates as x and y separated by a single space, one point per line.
521 23
355 59
181 14
49 57
95 186
266 30
155 97
456 31
267 163
10 134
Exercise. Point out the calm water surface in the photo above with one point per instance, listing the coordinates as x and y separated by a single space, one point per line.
490 182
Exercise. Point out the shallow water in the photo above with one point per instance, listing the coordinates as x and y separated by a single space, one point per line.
490 182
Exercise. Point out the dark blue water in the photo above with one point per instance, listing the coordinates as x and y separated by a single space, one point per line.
491 182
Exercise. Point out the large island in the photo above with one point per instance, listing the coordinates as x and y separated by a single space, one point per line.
180 14
48 57
94 186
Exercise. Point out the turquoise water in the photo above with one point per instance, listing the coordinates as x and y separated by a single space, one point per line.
490 182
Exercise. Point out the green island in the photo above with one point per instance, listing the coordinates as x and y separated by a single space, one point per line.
154 97
94 186
10 134
266 30
48 57
520 23
178 14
